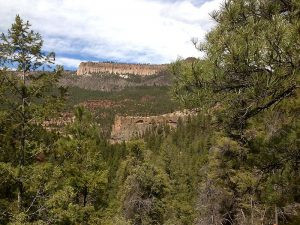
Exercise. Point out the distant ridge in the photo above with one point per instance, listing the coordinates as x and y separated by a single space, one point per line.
119 68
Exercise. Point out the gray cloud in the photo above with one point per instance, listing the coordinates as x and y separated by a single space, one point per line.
123 30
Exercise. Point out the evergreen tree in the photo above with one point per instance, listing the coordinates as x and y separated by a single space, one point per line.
252 60
142 187
27 99
80 194
248 80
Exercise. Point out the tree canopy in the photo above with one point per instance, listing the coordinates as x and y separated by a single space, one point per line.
235 162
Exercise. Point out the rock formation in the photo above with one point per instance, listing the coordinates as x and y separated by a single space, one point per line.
126 128
59 122
119 68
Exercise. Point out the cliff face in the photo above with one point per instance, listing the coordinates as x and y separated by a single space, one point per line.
126 128
119 68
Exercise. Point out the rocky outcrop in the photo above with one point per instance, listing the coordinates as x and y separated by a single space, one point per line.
126 128
59 122
119 68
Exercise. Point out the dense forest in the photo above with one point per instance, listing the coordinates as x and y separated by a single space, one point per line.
236 162
131 101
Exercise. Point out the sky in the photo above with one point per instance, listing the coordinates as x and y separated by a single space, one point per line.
131 31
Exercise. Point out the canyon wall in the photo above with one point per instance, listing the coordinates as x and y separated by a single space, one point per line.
126 128
119 68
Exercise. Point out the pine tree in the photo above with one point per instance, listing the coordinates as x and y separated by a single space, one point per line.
83 179
142 187
248 80
251 63
27 99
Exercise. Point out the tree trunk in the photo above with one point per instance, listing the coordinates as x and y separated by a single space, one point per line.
22 145
20 196
85 195
276 216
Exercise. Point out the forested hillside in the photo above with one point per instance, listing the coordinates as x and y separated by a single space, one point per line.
236 162
131 101
114 82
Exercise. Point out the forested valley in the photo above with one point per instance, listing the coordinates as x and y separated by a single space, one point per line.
235 163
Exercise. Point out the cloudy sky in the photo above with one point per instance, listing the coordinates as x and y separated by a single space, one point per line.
133 31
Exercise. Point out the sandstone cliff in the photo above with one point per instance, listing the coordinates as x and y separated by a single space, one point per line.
126 128
119 68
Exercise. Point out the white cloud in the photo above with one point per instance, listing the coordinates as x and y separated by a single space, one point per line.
67 62
125 30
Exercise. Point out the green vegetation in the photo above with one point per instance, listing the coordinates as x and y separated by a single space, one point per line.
132 101
26 102
114 82
236 162
249 80
154 95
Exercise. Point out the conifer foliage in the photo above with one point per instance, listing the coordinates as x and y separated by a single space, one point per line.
249 80
27 100
234 163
